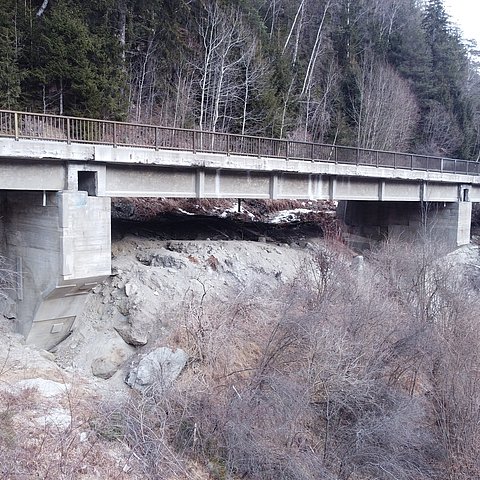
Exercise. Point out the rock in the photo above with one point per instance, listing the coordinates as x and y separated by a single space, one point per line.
104 367
57 417
116 271
161 260
158 369
47 355
130 289
132 335
46 388
108 364
8 308
358 263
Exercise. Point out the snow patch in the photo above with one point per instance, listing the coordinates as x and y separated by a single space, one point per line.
181 210
288 216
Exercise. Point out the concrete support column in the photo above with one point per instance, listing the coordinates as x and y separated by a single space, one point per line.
62 242
448 223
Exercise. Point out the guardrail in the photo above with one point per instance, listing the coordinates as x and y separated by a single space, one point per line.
85 130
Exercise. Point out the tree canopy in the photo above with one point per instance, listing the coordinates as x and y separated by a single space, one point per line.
388 74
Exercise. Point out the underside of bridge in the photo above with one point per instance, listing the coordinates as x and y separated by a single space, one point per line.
59 243
447 223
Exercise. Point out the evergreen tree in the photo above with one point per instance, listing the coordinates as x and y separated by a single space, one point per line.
10 74
446 108
71 69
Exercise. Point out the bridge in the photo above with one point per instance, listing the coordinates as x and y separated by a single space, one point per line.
57 175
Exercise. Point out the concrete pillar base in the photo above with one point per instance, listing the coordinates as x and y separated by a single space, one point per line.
368 221
61 245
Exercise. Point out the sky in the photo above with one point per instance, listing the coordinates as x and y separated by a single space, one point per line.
465 14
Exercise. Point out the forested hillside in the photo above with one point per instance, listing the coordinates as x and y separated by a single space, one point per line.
386 74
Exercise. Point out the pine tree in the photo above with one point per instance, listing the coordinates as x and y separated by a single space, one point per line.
71 68
447 117
10 74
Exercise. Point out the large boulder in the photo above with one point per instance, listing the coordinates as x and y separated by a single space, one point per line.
157 370
113 355
132 335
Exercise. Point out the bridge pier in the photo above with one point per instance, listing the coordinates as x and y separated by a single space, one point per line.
59 243
446 222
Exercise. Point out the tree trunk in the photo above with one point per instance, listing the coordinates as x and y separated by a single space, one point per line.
42 8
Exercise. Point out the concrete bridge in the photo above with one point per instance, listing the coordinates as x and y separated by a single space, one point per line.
57 175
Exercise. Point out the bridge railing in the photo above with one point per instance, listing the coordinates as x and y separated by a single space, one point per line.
27 125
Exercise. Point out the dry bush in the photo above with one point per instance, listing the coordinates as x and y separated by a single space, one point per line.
343 375
440 303
32 447
8 277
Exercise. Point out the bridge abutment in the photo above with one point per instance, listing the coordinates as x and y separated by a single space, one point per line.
59 243
445 222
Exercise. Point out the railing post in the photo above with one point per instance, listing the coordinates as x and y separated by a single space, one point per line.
156 138
69 138
286 149
411 162
115 134
376 157
228 144
194 148
258 146
312 151
394 160
441 165
336 155
15 120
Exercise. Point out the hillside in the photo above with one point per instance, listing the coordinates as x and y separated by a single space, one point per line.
296 360
382 74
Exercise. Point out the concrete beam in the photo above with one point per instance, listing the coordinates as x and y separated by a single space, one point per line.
22 153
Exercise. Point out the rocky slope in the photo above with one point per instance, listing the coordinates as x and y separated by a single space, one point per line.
59 411
52 402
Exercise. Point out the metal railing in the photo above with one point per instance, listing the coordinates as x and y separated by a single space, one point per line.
24 125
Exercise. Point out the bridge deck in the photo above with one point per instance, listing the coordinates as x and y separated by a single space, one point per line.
23 125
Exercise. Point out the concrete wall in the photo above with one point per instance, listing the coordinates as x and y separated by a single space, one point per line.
62 241
445 222
123 171
3 202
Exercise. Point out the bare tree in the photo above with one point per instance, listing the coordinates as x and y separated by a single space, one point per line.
315 51
224 38
387 112
442 132
296 25
142 81
255 77
317 109
42 8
